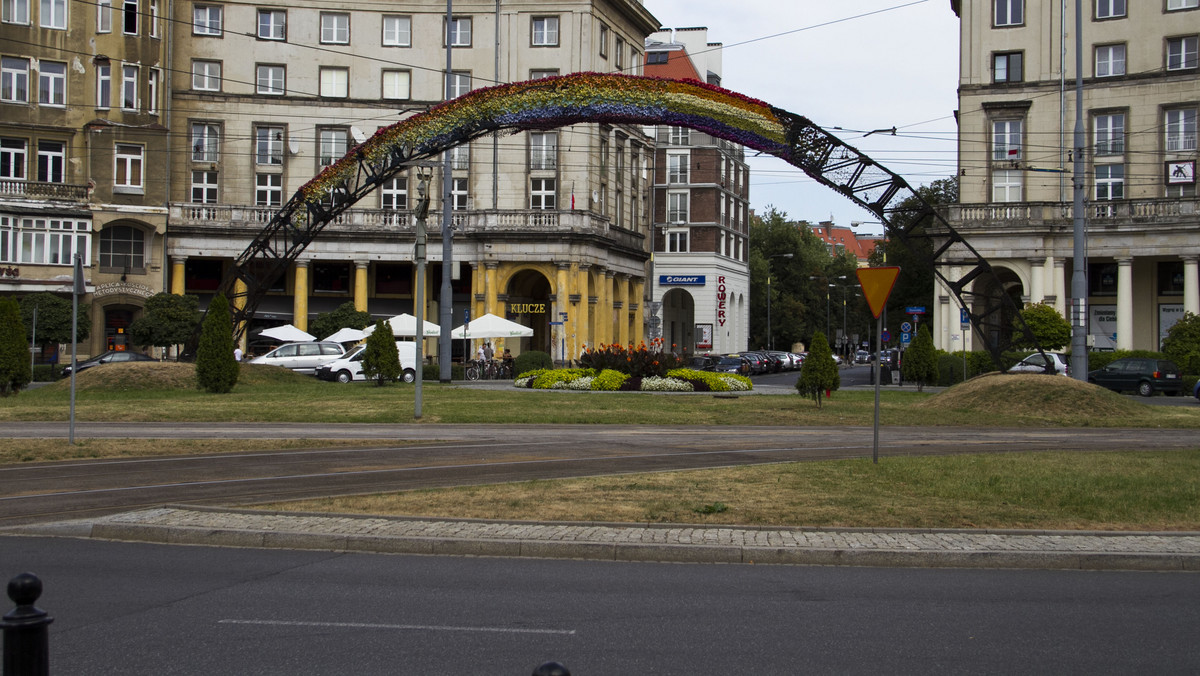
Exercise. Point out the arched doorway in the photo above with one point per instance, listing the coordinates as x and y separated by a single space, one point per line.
117 319
679 321
530 304
1005 282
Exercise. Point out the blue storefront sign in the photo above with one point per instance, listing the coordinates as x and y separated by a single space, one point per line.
681 280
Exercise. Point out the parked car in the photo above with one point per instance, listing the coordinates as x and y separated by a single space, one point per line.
703 362
1035 363
786 363
302 357
110 357
1141 374
862 357
758 362
347 368
733 363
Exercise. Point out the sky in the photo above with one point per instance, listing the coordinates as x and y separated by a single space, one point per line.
857 65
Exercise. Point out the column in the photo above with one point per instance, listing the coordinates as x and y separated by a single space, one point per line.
1191 285
489 288
239 303
623 311
178 275
583 329
605 309
360 285
478 297
1037 280
639 315
941 337
300 296
563 342
1124 303
1060 287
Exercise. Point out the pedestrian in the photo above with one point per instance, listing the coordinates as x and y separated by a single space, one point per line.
237 353
488 353
479 354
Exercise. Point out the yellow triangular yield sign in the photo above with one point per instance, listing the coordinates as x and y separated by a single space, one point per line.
877 285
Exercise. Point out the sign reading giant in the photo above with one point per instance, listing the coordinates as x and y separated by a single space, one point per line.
681 280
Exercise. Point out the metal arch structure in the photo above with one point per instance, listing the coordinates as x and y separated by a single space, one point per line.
621 99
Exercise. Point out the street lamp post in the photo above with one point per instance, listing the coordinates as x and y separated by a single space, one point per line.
828 286
770 336
845 338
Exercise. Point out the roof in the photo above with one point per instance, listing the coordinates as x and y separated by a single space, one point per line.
859 246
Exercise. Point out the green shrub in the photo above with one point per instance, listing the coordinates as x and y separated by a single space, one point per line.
433 372
216 369
381 358
1182 343
15 371
532 360
609 380
819 373
46 373
547 379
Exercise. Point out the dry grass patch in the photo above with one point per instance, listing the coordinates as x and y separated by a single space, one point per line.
1031 395
15 451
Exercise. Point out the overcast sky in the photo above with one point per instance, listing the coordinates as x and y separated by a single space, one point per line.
859 65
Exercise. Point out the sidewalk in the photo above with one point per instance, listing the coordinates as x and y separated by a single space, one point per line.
641 542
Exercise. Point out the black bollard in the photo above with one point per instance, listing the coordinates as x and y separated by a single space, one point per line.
26 643
551 669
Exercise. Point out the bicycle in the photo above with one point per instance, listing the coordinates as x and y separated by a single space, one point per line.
472 371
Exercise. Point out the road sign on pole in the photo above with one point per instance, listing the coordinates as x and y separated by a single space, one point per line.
877 285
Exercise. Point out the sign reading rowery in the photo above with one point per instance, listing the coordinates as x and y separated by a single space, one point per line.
681 280
721 297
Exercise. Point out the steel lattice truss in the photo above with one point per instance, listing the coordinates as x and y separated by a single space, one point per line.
907 218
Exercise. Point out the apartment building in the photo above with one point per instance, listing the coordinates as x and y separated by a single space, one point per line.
551 228
83 155
1016 120
701 274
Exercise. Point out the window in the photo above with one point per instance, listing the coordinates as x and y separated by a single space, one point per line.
394 193
1110 9
153 4
206 76
677 207
397 31
1110 181
1006 140
459 84
603 41
679 136
543 150
1173 5
1006 185
1110 134
206 142
335 82
129 17
1181 53
543 74
1008 67
542 194
619 54
458 194
52 83
52 161
1009 12
272 24
43 241
270 80
460 32
15 11
397 84
460 157
204 187
677 167
1110 60
12 158
14 80
129 80
127 168
152 80
335 28
54 14
104 16
103 85
545 31
677 241
332 145
122 247
1181 130
206 20
268 190
268 145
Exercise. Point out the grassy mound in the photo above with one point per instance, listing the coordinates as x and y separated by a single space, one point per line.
166 375
1032 394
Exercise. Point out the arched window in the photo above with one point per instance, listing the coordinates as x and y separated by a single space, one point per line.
123 249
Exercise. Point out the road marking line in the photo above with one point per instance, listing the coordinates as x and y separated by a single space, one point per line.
402 627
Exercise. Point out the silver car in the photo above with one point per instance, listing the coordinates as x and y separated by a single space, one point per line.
302 357
1034 363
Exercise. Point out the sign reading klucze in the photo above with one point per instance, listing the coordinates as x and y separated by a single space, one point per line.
681 280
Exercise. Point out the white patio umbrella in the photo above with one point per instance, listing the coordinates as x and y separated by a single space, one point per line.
287 333
347 335
406 325
491 326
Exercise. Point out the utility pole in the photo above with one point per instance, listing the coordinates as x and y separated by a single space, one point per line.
446 304
1079 285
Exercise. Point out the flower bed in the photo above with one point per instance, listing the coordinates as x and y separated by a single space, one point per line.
609 380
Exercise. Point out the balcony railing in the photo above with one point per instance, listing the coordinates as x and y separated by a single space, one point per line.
41 190
1150 211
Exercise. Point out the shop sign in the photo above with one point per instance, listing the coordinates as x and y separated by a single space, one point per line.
681 280
721 298
527 308
125 288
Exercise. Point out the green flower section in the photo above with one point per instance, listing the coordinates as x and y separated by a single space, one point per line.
611 380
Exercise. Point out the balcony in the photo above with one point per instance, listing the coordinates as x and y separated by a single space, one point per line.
41 190
1164 211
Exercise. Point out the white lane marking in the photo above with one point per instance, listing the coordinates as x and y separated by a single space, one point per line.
400 627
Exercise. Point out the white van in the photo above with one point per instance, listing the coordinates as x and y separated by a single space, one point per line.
349 367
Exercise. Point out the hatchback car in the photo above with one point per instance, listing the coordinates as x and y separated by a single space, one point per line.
302 357
1140 374
733 364
1035 363
110 357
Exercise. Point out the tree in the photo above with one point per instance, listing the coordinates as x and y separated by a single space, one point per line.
381 359
819 373
169 319
920 363
345 316
1182 344
15 371
216 369
53 319
794 303
1051 330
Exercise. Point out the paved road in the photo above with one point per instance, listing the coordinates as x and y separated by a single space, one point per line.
413 456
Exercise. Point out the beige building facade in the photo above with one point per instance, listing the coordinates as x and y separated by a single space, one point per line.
1016 121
